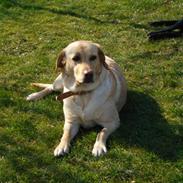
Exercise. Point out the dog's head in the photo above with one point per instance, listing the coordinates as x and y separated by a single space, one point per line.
81 63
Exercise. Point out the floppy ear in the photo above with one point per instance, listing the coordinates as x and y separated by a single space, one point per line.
102 58
60 63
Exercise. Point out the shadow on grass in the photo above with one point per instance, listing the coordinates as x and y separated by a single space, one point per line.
142 125
152 54
27 163
31 6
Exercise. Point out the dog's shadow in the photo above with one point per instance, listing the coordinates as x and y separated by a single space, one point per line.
143 125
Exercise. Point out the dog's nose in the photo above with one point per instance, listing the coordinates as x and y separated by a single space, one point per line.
88 77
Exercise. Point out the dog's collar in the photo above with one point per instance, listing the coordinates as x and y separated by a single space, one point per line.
65 95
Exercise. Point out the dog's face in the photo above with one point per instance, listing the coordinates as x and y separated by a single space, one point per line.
81 62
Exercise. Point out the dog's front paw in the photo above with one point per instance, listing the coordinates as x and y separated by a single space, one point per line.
33 96
61 149
99 149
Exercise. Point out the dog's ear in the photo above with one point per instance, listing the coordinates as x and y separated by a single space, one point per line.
60 63
102 57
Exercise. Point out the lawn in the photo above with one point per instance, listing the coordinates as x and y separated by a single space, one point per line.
148 146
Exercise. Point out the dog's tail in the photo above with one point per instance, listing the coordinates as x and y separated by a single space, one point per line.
42 85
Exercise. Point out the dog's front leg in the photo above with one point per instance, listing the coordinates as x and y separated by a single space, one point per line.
70 130
100 144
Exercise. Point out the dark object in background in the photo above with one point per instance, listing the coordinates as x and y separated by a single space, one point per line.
174 29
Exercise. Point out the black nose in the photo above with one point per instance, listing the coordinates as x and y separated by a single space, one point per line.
88 77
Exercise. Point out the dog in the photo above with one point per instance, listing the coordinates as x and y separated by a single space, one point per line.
94 91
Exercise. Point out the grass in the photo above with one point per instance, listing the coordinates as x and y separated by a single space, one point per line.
148 146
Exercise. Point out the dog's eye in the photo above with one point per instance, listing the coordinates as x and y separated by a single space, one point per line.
76 58
93 57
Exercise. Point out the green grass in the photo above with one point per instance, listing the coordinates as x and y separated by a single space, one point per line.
148 146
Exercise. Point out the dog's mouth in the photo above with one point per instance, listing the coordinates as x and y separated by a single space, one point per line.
82 83
85 85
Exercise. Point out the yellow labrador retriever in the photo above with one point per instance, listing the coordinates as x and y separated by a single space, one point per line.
94 90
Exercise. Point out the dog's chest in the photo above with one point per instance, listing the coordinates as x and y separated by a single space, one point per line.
82 100
85 108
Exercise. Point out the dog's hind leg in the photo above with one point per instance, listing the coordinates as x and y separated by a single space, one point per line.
41 85
40 94
48 88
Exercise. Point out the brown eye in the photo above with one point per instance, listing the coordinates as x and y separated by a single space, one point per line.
76 58
93 57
